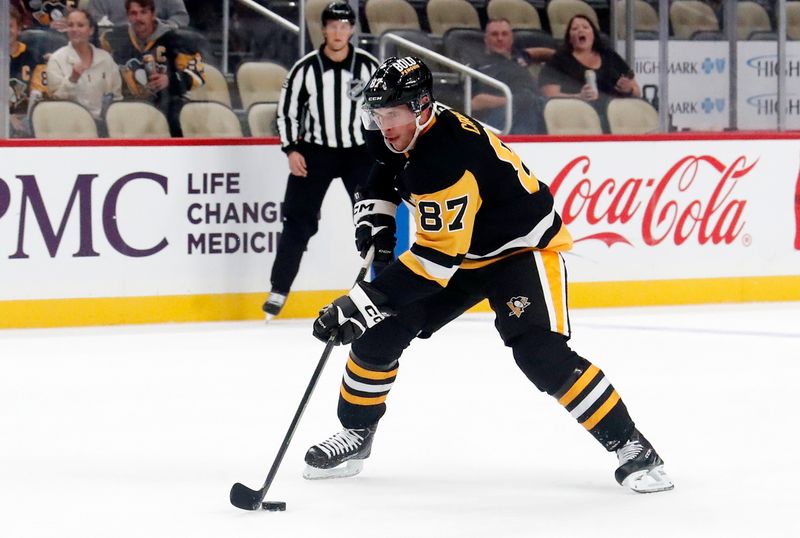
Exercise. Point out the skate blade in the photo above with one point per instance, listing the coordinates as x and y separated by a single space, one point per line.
268 318
649 481
349 468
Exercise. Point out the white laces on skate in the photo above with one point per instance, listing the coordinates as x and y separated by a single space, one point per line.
341 442
629 451
276 299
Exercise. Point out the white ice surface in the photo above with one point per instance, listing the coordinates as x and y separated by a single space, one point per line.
141 431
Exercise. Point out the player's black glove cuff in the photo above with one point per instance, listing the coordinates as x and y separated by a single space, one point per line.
375 225
347 317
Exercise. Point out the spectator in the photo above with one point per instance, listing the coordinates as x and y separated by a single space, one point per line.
50 14
564 75
321 133
81 72
27 78
114 12
509 65
25 15
157 64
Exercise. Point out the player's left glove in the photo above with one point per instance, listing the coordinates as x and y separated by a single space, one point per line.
346 318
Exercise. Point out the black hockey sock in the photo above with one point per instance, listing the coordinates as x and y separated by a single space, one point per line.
591 399
363 393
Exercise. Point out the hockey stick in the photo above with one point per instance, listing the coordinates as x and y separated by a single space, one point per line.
249 499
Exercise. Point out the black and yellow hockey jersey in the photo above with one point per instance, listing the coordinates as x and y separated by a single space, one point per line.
45 12
475 202
166 51
28 73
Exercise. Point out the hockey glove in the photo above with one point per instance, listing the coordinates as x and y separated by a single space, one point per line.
375 225
346 318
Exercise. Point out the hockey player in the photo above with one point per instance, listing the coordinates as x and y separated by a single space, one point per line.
486 228
320 131
157 63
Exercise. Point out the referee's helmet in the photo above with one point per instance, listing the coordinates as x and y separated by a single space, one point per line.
338 11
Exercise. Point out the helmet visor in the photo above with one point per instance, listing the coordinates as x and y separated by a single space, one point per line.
386 118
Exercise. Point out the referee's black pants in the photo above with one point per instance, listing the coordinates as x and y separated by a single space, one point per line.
303 200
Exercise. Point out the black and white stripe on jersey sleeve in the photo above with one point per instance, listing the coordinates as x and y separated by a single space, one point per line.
316 104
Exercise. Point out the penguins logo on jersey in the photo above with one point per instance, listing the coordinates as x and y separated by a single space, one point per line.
50 11
356 89
135 77
517 305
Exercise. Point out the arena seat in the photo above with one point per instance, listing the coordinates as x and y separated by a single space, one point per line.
521 14
534 38
464 45
559 12
571 117
631 116
793 20
261 119
751 17
688 17
214 89
41 42
62 120
418 37
446 14
645 19
136 119
259 81
383 15
209 119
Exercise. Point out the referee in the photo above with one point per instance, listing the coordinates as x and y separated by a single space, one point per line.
320 129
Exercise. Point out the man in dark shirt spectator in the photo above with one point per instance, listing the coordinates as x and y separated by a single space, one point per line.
511 66
156 62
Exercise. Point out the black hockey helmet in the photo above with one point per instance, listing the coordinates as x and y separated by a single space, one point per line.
400 81
338 11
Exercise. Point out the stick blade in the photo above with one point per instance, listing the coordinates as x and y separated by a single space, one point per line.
246 498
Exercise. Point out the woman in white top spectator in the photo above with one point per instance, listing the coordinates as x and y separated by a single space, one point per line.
80 71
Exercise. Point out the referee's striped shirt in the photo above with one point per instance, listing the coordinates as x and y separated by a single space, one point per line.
315 103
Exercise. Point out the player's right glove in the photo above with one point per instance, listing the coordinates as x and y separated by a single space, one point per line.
347 317
375 225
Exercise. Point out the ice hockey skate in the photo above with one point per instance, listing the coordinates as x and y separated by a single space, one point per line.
640 467
340 456
273 305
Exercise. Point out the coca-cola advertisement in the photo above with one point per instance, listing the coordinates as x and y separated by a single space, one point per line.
667 210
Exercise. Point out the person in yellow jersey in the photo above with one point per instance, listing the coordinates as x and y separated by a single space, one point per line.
27 78
158 63
487 228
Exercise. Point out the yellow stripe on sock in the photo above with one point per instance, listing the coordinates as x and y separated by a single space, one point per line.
579 385
369 374
598 415
358 400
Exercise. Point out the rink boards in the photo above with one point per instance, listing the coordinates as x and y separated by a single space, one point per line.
107 232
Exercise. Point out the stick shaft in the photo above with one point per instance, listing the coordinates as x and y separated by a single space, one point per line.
309 390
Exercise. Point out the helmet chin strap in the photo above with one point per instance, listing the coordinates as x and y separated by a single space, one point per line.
419 129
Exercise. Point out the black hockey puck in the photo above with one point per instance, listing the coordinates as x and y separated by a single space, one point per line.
274 506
